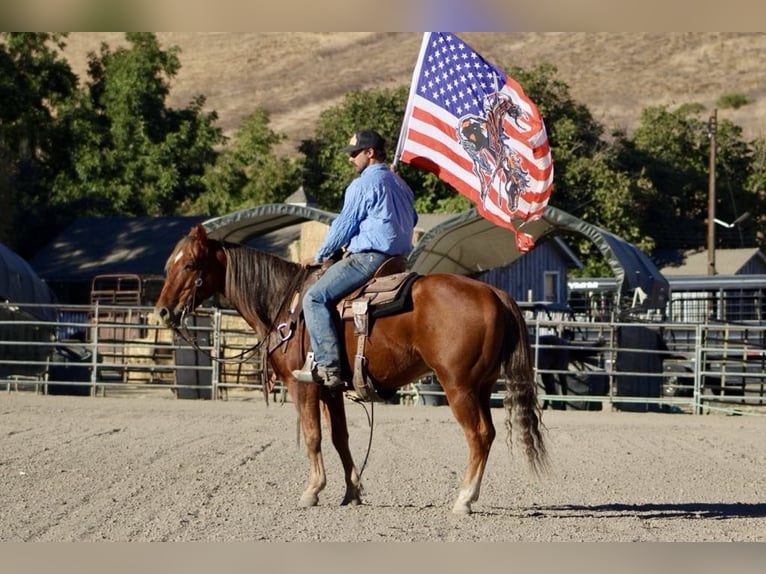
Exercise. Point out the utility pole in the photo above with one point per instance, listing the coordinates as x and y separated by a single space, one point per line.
711 130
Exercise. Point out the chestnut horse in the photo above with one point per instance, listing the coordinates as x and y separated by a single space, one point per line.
464 331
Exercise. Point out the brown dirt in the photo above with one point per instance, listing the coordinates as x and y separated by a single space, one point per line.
296 75
152 468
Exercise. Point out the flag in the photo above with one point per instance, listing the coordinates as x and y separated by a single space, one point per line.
471 125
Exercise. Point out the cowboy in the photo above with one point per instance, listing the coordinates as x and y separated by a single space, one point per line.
376 222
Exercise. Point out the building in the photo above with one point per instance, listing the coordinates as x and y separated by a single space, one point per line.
109 246
540 276
736 293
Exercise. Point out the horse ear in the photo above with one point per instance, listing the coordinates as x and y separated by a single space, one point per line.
199 232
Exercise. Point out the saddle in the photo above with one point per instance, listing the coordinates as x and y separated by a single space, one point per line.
386 293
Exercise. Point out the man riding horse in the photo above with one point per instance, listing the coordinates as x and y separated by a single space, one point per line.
376 222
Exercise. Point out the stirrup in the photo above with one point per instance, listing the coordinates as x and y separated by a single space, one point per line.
312 373
306 373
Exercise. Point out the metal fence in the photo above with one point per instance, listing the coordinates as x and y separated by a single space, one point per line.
657 367
116 350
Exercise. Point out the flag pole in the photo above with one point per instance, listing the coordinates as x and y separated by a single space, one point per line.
410 99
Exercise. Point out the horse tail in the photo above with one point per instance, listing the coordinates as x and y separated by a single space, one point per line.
522 409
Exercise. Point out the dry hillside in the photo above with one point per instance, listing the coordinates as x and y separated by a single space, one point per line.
297 75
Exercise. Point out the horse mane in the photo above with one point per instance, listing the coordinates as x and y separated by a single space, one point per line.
257 282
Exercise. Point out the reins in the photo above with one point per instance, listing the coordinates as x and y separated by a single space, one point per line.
244 355
370 421
240 358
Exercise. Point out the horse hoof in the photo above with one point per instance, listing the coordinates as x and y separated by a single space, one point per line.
308 500
351 502
461 509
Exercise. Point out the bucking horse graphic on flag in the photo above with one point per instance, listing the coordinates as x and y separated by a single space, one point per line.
484 139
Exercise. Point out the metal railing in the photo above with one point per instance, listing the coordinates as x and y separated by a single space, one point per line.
100 350
662 367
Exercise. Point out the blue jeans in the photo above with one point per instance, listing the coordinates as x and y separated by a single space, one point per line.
321 298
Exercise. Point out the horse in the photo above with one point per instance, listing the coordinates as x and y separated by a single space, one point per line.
464 331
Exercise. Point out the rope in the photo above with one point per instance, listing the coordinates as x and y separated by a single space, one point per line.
241 358
370 420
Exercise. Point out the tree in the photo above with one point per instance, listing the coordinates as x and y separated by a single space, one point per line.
672 149
756 186
133 154
573 134
248 172
733 101
34 81
588 180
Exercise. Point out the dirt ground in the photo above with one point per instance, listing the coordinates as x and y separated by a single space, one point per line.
154 468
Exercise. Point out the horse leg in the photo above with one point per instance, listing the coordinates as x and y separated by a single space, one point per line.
335 416
473 414
308 404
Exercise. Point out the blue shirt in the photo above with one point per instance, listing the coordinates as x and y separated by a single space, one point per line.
378 215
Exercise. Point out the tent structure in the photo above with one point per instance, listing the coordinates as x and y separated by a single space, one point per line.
464 243
468 244
24 343
245 225
19 284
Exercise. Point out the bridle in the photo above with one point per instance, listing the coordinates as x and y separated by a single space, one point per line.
284 331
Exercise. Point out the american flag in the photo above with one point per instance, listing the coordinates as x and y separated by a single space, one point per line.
471 125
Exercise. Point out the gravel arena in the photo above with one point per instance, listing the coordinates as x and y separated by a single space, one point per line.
154 468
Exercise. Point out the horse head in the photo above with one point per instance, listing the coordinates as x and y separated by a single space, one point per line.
194 272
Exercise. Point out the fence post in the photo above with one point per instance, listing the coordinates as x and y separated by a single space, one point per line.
94 353
216 352
698 367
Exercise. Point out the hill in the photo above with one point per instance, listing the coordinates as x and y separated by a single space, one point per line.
296 75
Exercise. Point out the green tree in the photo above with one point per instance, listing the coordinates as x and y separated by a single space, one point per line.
248 172
672 149
616 202
588 180
7 195
34 82
133 154
573 134
756 186
733 101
